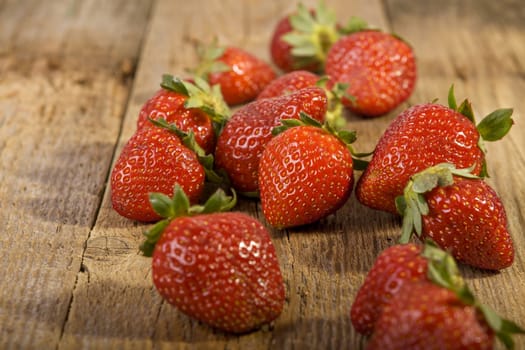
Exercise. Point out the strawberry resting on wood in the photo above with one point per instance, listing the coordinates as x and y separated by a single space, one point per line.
426 135
215 266
305 172
415 298
461 213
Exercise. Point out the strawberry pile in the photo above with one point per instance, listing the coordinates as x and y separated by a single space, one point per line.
286 145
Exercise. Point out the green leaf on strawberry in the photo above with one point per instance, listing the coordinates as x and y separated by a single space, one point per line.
313 33
412 204
200 95
443 271
179 205
492 127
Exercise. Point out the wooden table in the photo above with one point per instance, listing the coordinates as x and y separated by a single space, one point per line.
73 75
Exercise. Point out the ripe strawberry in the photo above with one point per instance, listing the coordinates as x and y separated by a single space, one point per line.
242 141
426 316
394 267
301 40
240 75
153 160
426 304
189 106
462 215
305 173
288 83
379 68
422 136
219 268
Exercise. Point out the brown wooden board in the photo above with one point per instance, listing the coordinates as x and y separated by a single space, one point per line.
73 76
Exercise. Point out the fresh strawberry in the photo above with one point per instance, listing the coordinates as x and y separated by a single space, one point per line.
288 83
219 268
240 75
426 304
426 316
393 267
305 173
463 215
379 68
153 160
195 107
242 141
426 135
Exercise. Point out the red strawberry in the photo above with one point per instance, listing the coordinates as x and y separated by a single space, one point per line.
153 160
302 40
379 68
288 83
435 310
394 267
305 174
240 75
426 316
422 136
188 106
219 268
242 141
463 216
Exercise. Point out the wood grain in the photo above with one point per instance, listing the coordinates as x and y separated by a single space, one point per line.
73 76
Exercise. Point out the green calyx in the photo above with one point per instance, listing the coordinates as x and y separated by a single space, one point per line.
179 205
346 136
201 96
492 127
335 95
412 204
443 271
209 60
313 34
188 140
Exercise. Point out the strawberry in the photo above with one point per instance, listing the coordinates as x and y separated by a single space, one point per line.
379 68
240 75
217 267
426 316
288 83
426 304
301 40
242 141
393 267
305 173
461 214
422 136
153 160
195 107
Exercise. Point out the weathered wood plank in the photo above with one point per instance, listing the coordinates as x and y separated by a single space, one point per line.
64 70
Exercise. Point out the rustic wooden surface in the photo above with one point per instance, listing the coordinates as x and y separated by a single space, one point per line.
73 75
